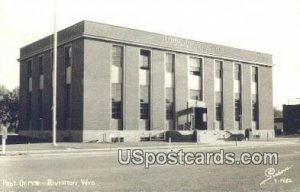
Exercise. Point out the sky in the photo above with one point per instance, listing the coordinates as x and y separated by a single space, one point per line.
269 26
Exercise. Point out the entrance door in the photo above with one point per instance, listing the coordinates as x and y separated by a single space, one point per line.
200 118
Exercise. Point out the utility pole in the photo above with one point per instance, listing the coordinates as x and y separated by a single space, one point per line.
54 78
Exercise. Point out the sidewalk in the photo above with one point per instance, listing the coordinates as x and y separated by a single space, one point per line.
65 148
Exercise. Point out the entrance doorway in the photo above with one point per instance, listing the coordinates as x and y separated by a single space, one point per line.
200 115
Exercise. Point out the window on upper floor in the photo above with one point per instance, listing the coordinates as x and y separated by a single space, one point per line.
218 69
29 68
254 74
145 59
117 56
170 62
68 56
237 72
195 66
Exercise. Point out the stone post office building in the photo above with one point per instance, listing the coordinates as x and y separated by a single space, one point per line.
115 81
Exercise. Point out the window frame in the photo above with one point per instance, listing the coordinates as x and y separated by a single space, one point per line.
70 59
144 111
172 64
115 56
141 60
198 71
220 70
29 67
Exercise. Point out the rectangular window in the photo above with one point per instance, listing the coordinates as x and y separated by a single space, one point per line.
40 103
237 72
169 103
68 75
51 60
170 111
144 113
218 97
41 71
237 96
237 110
29 100
169 95
116 110
144 102
144 94
195 66
30 84
117 56
67 101
145 59
195 94
41 81
41 65
170 61
68 64
254 111
218 69
219 108
254 98
116 101
219 112
254 107
116 91
29 68
254 74
68 56
238 107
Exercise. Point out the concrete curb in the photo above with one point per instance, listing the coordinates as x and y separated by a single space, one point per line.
70 150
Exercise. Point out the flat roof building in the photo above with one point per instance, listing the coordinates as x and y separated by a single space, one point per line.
116 81
291 117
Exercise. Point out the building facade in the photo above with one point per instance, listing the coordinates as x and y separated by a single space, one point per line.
291 117
114 81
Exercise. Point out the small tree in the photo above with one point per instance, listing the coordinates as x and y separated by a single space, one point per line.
9 107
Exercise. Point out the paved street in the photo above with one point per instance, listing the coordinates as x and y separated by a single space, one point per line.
100 171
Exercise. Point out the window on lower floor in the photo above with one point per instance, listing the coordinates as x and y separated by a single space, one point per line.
116 110
238 111
116 91
219 96
40 103
144 111
219 112
144 93
29 106
169 111
67 101
116 97
254 111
